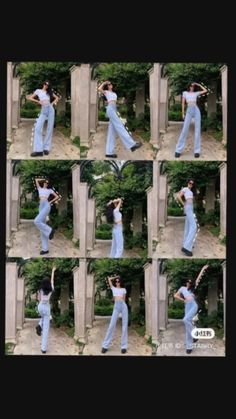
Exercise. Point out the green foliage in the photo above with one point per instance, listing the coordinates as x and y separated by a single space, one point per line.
142 122
212 217
30 110
215 230
104 232
64 117
176 310
175 211
83 151
138 317
76 141
175 112
103 310
138 240
28 213
9 348
212 122
215 320
102 115
31 313
223 241
64 319
140 329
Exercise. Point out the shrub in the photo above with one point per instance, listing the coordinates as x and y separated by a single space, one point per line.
31 313
175 115
212 122
28 213
65 319
176 310
103 310
212 217
142 122
137 240
104 232
175 211
102 302
102 115
64 117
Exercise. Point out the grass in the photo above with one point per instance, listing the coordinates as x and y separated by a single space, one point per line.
139 329
68 233
143 253
76 141
70 331
218 135
83 151
215 230
219 333
64 130
145 135
9 348
223 241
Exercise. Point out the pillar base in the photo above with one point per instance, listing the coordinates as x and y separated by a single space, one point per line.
155 144
11 340
75 239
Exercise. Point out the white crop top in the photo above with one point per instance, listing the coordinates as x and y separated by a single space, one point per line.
110 95
191 96
45 298
186 293
187 193
44 192
117 215
42 95
118 292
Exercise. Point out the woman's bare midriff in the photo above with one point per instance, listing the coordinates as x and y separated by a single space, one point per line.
119 299
118 222
189 201
112 101
191 103
43 199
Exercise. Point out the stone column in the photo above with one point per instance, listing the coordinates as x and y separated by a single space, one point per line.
135 297
140 101
64 297
15 204
83 218
155 82
93 106
8 203
91 223
223 199
212 297
61 107
15 102
211 100
153 210
224 295
11 302
163 302
137 219
9 100
210 196
147 291
75 127
90 301
84 104
162 200
20 302
164 104
76 198
80 294
224 95
154 288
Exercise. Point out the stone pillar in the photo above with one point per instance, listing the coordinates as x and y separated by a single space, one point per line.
140 101
76 198
211 100
8 203
210 196
83 218
212 297
20 302
224 95
9 100
164 104
163 302
90 301
15 102
75 72
135 297
15 204
61 106
64 194
154 289
84 104
80 294
155 82
93 105
224 295
162 200
137 219
11 302
147 293
91 223
223 199
64 297
153 210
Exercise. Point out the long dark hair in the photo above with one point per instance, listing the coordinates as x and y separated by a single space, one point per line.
121 281
49 91
46 286
189 85
193 189
109 212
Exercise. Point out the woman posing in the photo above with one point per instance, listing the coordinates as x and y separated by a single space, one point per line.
190 227
114 216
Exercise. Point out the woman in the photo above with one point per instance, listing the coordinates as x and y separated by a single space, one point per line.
46 98
119 294
45 292
44 209
190 96
114 216
186 294
190 228
116 126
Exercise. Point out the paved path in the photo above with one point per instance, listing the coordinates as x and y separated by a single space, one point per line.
102 249
29 343
26 243
171 241
98 147
21 147
172 343
211 148
136 344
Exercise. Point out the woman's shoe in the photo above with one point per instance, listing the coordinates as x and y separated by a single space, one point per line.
43 352
123 351
177 154
137 145
187 252
36 153
188 351
43 252
51 234
104 350
38 330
